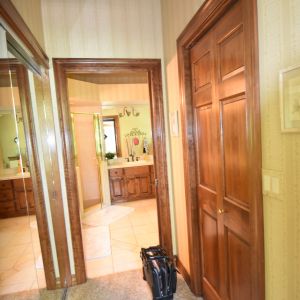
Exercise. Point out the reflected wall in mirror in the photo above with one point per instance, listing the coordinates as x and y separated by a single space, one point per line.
127 130
12 137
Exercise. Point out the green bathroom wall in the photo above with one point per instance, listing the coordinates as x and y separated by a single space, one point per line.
127 123
7 136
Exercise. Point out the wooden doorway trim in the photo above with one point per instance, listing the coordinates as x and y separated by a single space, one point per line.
208 14
63 67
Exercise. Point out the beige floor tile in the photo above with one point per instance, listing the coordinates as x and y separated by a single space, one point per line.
41 280
118 246
122 223
143 230
99 267
123 234
14 288
25 276
147 241
12 251
7 263
121 266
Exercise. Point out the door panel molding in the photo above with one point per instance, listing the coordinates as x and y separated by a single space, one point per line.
249 214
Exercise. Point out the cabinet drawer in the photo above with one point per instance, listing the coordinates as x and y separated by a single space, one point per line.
6 195
142 170
7 206
116 172
19 185
5 184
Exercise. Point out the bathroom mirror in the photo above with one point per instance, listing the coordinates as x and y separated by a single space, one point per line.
127 129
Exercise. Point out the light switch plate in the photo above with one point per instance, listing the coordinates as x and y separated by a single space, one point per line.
266 184
275 185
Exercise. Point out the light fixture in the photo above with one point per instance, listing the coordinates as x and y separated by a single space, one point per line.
127 111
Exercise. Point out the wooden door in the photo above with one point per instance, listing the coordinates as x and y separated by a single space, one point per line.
221 133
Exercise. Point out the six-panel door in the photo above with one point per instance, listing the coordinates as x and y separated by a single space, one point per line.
220 116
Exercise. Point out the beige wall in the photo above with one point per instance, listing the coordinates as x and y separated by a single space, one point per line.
31 12
127 123
279 48
116 28
175 15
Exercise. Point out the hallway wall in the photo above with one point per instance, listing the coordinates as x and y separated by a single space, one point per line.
279 48
117 28
31 12
175 15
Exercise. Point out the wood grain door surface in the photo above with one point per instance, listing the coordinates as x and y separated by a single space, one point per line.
220 123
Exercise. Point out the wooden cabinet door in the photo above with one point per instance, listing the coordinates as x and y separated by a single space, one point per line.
222 132
132 188
117 188
21 202
144 185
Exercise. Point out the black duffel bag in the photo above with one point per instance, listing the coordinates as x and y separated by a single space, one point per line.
159 271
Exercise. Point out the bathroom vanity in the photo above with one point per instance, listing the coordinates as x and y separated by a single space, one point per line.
14 194
131 181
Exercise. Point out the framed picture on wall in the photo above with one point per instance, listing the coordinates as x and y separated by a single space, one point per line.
289 86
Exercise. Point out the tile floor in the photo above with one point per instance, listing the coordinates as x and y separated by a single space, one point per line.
139 228
20 250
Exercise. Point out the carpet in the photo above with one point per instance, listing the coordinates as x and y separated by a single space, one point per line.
120 286
106 216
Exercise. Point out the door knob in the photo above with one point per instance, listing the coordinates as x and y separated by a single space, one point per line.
221 211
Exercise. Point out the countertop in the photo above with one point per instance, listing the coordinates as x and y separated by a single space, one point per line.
131 164
14 176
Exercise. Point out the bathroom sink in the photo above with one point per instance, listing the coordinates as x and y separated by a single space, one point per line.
131 164
139 162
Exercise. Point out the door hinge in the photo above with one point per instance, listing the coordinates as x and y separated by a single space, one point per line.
156 182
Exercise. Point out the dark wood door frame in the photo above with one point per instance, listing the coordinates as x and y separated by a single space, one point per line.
208 14
153 68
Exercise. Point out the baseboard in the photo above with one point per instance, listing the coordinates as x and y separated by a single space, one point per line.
183 272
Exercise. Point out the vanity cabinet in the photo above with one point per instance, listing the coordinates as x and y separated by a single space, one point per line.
13 197
21 193
132 183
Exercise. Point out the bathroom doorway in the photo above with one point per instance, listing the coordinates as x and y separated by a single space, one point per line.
113 145
146 179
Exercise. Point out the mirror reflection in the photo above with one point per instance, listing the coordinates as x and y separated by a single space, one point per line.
13 155
18 223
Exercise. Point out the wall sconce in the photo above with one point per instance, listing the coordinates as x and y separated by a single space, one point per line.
127 111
